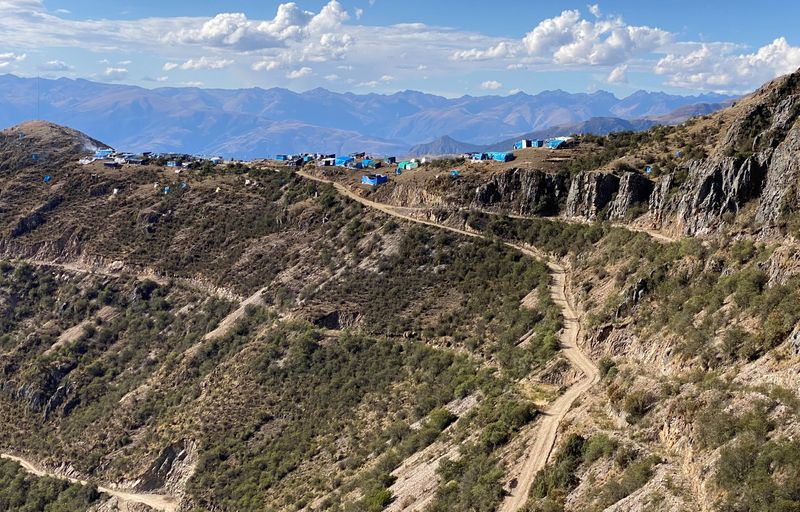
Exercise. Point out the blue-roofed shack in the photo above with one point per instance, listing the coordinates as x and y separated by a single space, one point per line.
558 142
374 180
522 144
46 179
103 153
499 156
172 163
454 173
281 158
344 160
537 143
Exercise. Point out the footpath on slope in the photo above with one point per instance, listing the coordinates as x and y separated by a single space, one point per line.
545 437
155 501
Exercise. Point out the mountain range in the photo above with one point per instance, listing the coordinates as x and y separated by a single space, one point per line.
253 122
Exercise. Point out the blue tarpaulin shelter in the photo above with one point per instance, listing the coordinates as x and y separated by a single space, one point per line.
500 156
47 179
343 160
374 179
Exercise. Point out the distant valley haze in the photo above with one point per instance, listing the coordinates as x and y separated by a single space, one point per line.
251 79
252 123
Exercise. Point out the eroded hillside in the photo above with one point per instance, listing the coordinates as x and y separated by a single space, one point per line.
263 339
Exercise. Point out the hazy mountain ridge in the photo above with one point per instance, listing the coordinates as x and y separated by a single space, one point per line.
256 122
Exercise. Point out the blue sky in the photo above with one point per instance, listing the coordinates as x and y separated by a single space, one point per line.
442 47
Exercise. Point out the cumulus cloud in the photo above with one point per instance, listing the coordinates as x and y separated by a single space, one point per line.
568 39
56 65
115 74
237 31
618 75
299 73
720 67
201 63
265 65
6 59
491 85
159 79
595 10
359 13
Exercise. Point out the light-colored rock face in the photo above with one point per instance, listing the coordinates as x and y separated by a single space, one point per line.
589 193
634 190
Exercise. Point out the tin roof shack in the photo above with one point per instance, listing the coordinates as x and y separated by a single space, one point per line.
373 180
326 162
478 157
391 160
524 143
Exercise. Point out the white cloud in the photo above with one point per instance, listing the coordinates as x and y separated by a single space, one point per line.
125 62
159 79
719 67
359 13
299 73
501 50
56 65
388 78
115 74
491 85
595 10
265 65
568 39
333 77
201 63
192 84
618 75
236 31
9 58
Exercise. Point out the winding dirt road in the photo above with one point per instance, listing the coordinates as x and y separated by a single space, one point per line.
545 435
154 501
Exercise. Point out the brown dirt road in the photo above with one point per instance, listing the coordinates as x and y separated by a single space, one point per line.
154 501
545 436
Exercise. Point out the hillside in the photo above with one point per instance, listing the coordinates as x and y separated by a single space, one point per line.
253 123
566 331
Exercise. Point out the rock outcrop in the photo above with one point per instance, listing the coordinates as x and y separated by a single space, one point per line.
523 191
718 186
634 191
589 193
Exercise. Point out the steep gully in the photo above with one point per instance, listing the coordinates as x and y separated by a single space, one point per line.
545 438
